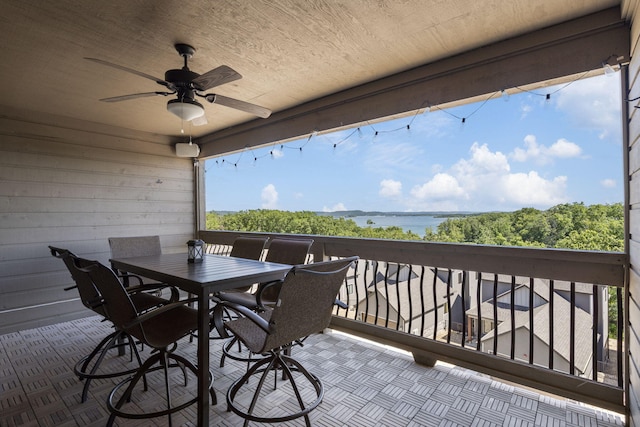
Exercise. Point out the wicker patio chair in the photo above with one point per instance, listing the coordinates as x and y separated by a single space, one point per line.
158 328
88 368
304 304
283 251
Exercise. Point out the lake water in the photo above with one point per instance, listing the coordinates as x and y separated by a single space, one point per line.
414 223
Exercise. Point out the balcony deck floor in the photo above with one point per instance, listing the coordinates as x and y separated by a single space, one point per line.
365 385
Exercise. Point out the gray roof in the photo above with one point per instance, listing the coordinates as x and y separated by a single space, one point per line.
541 326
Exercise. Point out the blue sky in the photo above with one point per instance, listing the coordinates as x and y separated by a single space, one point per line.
522 151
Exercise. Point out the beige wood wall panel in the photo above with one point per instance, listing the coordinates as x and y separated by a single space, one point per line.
634 223
34 317
634 405
74 184
634 149
11 143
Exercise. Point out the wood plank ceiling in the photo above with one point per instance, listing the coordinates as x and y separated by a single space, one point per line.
288 51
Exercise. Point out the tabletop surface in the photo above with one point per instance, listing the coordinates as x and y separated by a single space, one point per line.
215 272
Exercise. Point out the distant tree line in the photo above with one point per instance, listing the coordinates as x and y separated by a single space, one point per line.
569 226
304 222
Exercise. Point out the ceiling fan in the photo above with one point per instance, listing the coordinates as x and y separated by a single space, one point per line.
186 85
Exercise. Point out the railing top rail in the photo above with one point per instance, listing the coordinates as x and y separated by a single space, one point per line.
595 267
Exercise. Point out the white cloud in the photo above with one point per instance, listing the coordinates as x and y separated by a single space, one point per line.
483 161
442 186
541 154
530 189
390 188
269 197
484 182
608 183
564 149
335 208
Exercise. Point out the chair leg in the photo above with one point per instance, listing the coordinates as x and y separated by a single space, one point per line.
254 400
110 342
164 361
264 366
134 350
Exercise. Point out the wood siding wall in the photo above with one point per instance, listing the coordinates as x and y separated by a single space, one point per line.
633 397
74 184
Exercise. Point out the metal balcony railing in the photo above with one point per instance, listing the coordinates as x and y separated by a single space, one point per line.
538 317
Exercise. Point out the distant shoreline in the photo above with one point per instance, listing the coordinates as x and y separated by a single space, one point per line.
353 213
440 214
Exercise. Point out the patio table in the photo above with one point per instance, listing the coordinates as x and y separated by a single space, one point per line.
215 273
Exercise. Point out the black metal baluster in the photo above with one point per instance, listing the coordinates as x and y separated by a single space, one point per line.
435 304
386 294
572 331
513 317
463 289
531 297
464 307
449 307
410 299
594 332
422 317
397 299
551 310
375 292
495 314
479 302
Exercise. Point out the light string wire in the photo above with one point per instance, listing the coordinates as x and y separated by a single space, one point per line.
376 132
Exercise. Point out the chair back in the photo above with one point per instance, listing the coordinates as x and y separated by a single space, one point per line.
127 247
89 295
305 301
285 251
248 247
117 304
288 251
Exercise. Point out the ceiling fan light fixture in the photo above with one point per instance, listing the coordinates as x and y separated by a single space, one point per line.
186 110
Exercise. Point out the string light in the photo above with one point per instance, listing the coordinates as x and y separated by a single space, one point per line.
427 109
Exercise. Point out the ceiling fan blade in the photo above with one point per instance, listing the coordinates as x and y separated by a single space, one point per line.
132 71
238 105
200 121
134 96
216 77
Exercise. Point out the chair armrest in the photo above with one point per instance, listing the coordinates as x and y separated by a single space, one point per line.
155 312
125 279
246 312
175 294
262 287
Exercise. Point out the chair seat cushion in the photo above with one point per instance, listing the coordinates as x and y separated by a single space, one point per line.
252 335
